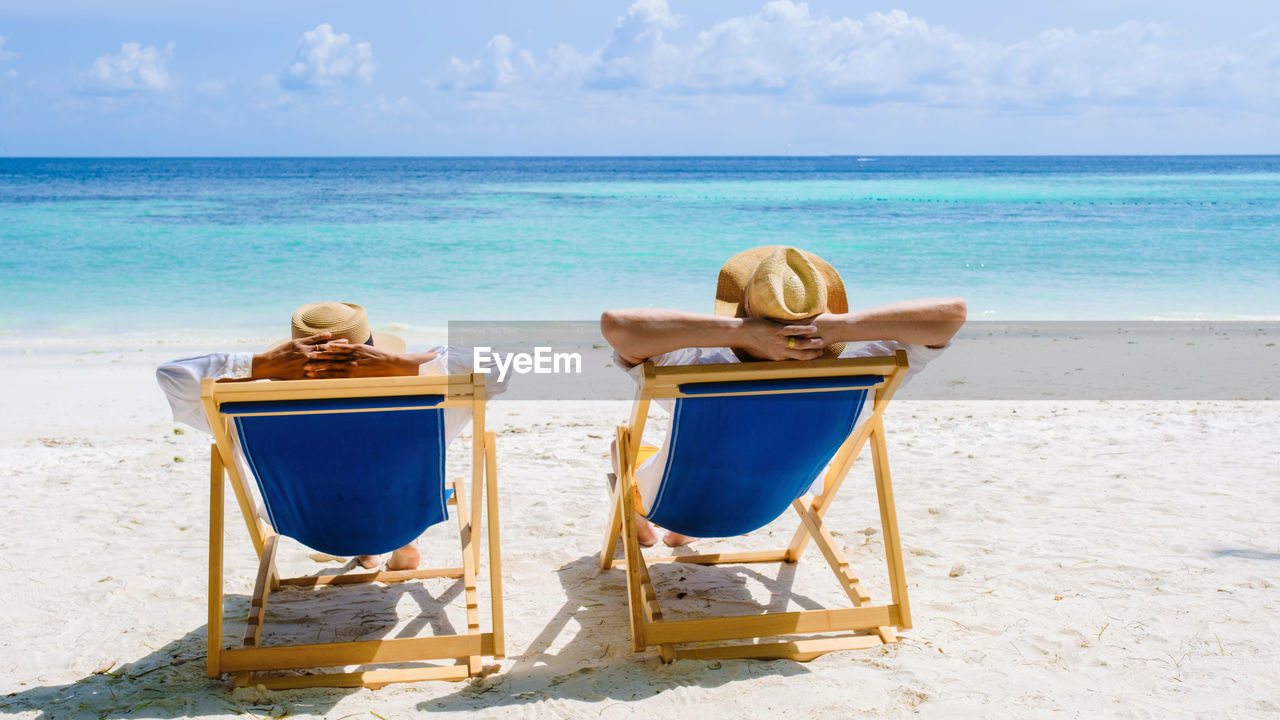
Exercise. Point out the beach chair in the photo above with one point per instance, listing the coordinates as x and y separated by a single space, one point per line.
747 440
349 467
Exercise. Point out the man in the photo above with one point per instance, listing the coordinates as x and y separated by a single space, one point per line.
772 303
330 340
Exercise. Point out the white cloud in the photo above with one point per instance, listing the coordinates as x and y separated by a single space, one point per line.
499 65
890 57
6 54
326 58
134 69
636 49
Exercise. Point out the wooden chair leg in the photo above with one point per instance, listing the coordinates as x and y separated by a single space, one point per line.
261 592
216 503
652 610
630 545
495 547
831 552
470 596
252 513
477 471
889 525
614 527
839 564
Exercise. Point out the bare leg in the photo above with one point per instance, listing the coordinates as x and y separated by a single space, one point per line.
644 529
369 562
646 535
406 558
675 539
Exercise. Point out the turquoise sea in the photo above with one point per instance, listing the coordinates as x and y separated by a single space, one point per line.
209 244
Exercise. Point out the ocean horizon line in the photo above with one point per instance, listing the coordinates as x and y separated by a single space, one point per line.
778 156
260 329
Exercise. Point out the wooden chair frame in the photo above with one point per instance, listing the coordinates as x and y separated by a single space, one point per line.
870 625
250 660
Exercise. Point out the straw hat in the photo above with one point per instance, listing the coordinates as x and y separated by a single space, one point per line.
780 283
345 321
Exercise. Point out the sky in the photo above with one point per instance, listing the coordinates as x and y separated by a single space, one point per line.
639 77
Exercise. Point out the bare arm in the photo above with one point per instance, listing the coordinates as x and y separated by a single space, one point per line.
641 333
341 359
923 321
313 357
288 361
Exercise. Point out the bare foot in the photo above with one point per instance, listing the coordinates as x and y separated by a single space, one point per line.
675 539
644 532
644 529
369 562
406 558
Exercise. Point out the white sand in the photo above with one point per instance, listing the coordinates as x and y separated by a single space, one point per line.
1065 559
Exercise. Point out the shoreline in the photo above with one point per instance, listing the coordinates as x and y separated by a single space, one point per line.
263 333
987 361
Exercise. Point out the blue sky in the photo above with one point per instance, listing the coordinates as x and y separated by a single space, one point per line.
652 77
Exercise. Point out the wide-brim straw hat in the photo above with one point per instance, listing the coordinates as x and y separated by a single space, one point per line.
345 321
780 283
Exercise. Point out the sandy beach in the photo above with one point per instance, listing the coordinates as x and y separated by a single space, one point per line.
1065 558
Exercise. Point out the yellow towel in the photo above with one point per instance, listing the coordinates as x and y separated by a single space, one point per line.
644 453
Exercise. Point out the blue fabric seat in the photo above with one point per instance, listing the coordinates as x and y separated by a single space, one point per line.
345 477
734 463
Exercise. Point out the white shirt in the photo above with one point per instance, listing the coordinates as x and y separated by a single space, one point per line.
180 380
649 474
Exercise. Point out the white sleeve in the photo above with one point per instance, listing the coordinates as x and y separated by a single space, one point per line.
461 361
437 365
180 381
683 356
918 356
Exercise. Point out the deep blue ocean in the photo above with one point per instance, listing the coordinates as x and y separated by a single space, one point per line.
230 244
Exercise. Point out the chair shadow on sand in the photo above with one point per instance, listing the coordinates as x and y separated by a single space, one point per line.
595 664
1246 553
170 682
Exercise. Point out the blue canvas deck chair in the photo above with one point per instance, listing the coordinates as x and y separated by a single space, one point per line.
349 467
747 440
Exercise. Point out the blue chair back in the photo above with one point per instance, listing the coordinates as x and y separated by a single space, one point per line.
343 476
734 463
